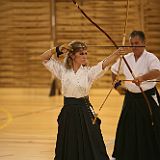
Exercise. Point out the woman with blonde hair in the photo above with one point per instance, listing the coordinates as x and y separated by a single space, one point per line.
78 138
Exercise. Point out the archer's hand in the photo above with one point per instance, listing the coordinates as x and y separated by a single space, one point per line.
119 88
138 80
119 51
62 49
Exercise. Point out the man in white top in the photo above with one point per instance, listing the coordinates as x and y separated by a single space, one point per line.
138 131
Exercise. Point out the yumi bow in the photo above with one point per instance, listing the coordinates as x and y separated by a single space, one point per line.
122 57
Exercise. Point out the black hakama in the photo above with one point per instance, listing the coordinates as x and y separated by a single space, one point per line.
136 137
78 138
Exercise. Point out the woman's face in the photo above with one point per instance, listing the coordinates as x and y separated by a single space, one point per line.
80 57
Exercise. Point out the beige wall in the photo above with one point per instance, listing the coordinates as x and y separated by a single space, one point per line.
25 32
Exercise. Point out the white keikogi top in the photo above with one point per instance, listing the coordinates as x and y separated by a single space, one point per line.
146 62
75 84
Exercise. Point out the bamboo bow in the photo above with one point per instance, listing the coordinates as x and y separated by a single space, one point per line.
125 61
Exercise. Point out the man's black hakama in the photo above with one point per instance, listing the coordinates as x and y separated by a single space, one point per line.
136 137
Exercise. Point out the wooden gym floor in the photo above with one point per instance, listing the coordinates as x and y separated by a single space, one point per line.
28 125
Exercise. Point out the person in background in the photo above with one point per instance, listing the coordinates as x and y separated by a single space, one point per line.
78 138
138 131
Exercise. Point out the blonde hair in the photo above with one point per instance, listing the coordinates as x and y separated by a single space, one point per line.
74 47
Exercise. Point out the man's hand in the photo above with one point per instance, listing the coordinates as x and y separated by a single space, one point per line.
138 80
120 89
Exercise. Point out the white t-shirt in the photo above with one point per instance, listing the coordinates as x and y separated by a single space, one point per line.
146 62
75 84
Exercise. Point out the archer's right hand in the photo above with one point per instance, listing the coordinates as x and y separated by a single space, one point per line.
119 88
